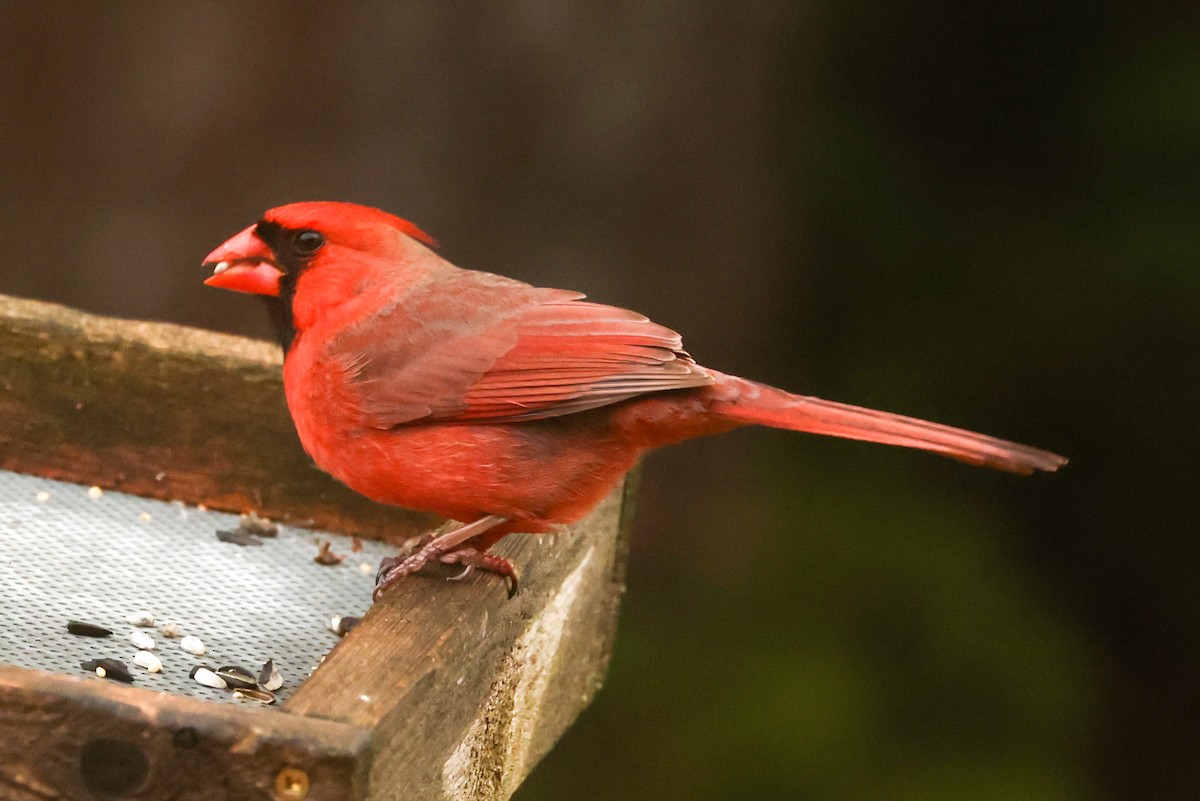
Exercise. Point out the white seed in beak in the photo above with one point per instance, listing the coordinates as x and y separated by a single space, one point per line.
220 267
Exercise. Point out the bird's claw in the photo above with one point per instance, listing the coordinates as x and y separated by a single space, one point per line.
466 573
394 568
472 558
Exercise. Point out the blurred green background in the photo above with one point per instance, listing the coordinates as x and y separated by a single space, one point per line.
982 214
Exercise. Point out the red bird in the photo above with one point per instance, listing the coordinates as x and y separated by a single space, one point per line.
500 405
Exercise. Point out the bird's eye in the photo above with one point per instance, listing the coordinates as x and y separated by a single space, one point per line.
308 242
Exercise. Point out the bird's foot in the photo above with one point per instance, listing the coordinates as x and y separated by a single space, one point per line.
444 546
471 559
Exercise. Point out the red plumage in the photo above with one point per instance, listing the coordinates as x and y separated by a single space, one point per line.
486 400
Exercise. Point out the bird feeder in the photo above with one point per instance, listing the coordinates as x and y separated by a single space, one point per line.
127 450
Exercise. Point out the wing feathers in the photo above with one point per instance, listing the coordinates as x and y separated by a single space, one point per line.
528 355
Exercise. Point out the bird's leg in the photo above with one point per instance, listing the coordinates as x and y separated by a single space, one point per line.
444 544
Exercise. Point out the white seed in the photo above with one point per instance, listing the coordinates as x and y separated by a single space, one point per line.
192 645
143 619
209 679
141 640
100 671
95 492
170 630
220 267
366 569
145 517
43 496
147 660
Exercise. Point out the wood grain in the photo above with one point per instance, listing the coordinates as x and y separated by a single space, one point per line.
77 739
166 412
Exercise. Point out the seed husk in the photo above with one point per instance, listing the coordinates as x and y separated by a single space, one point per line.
107 668
269 678
170 630
237 536
342 624
258 526
262 696
87 629
326 556
237 677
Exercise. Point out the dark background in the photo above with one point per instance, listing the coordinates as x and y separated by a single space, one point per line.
986 216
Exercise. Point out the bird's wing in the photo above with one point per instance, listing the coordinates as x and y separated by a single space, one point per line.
494 350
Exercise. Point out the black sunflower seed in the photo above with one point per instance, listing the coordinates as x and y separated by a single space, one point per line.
87 629
237 677
106 668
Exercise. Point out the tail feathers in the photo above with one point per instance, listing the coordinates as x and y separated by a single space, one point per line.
750 402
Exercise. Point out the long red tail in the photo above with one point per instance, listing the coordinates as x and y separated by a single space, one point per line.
750 402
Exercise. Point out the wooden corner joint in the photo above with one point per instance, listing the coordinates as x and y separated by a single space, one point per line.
499 747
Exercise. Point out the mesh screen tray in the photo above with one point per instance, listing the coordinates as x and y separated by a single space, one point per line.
98 557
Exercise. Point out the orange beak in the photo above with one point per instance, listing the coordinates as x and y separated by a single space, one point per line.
244 264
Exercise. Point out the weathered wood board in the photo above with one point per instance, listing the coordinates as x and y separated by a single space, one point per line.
166 412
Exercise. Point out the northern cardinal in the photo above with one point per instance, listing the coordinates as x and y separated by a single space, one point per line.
500 405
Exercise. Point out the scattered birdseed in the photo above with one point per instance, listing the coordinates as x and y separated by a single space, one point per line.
42 496
193 645
254 694
237 536
366 568
326 556
106 668
143 620
237 677
269 678
170 630
95 492
87 629
145 517
208 678
148 660
141 640
249 529
258 526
